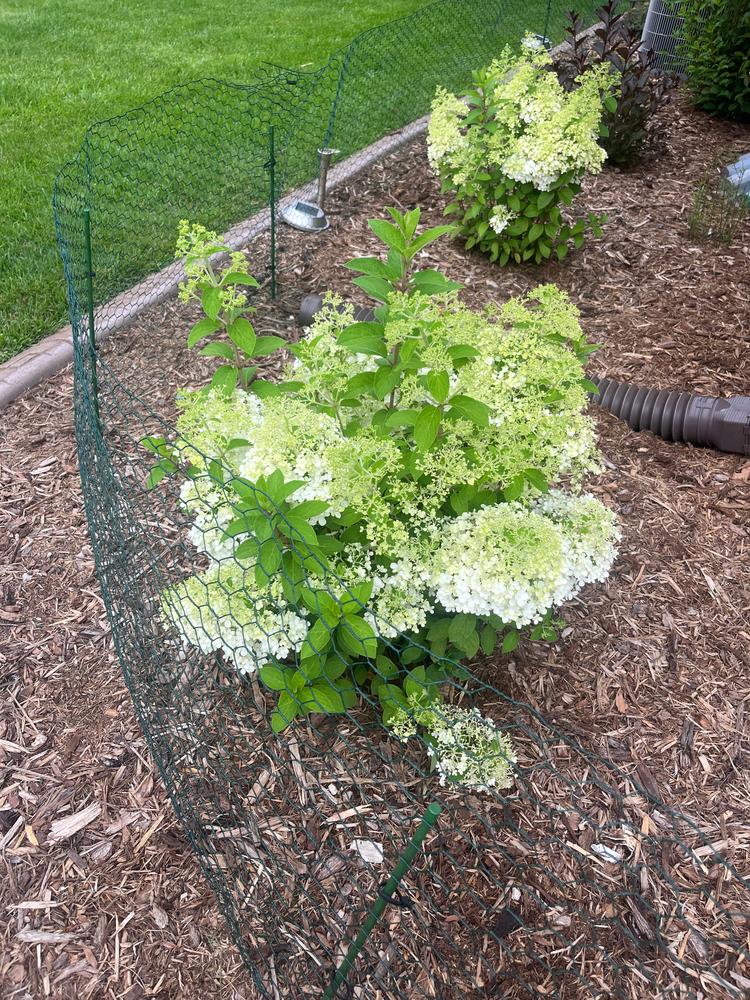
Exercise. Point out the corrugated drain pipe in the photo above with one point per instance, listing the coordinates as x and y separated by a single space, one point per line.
673 414
677 415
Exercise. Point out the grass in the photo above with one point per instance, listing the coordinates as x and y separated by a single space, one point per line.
68 63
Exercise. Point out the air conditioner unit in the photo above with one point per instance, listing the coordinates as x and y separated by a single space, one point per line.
663 32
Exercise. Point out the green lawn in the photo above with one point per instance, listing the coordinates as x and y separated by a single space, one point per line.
68 63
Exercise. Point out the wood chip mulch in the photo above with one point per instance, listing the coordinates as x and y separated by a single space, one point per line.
100 895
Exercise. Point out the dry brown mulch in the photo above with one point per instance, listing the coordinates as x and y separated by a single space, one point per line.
652 673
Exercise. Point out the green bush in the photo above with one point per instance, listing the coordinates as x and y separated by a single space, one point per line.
404 498
513 151
717 48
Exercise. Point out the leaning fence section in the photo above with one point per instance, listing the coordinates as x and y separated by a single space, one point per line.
580 884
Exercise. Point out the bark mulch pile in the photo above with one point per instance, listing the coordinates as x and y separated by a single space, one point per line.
100 895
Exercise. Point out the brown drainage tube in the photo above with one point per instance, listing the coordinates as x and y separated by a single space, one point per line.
674 415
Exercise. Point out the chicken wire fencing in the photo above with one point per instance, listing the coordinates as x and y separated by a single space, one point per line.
574 881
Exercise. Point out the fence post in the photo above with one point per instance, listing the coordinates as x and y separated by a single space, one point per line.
272 180
384 898
547 16
90 309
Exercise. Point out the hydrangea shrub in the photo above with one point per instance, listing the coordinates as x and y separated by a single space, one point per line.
408 494
513 151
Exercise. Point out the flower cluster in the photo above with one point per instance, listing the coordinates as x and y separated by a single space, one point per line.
518 136
516 561
465 747
224 610
513 560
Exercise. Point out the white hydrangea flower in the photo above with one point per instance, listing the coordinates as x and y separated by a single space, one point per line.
223 610
465 747
517 561
209 507
501 218
469 749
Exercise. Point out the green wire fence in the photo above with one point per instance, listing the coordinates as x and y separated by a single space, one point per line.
575 883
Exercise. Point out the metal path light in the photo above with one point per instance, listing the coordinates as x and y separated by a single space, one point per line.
309 216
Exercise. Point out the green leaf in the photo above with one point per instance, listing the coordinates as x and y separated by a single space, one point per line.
376 288
511 640
155 476
461 499
297 527
385 667
393 695
203 328
310 508
537 480
334 667
267 345
323 605
471 409
356 637
264 389
322 697
515 489
247 549
156 445
426 427
279 722
239 278
364 338
217 350
461 352
371 266
415 682
535 232
225 377
288 709
241 333
269 560
359 384
429 236
488 639
274 677
562 251
388 233
401 418
357 596
317 641
432 282
438 385
386 380
310 669
544 199
462 632
211 302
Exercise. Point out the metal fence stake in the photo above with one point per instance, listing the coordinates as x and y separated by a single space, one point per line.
272 179
384 897
90 308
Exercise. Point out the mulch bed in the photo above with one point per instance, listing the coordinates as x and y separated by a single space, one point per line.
651 673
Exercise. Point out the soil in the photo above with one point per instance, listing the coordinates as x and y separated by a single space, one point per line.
651 673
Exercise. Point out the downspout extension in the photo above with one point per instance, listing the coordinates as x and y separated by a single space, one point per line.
676 415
